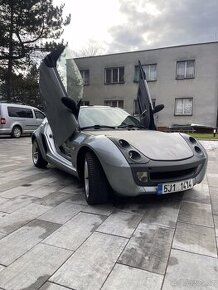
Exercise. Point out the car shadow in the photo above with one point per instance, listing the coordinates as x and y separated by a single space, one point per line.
142 203
133 204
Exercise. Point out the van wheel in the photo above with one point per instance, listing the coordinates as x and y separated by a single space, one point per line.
96 186
16 132
37 158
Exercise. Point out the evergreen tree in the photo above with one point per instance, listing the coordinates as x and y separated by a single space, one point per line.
28 27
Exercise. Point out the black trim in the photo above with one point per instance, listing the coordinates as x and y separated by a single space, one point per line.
51 59
168 171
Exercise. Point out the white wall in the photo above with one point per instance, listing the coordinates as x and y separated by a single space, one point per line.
203 88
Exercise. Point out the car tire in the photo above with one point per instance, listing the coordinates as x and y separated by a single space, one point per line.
37 158
16 132
96 186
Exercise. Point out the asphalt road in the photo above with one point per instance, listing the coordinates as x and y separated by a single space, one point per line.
51 239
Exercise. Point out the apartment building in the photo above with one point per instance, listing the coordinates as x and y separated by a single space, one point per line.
183 78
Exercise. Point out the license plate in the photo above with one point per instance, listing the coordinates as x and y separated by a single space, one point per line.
165 188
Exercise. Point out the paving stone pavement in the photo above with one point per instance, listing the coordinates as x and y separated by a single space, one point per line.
50 239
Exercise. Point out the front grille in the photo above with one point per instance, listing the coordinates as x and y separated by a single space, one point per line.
172 175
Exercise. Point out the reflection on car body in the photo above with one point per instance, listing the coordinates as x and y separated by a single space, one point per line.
108 149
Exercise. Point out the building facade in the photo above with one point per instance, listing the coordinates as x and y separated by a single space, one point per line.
183 78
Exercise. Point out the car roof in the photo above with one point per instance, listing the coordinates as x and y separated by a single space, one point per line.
18 105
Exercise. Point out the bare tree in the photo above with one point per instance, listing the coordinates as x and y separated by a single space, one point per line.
91 49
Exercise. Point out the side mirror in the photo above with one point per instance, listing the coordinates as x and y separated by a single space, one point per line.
71 105
158 108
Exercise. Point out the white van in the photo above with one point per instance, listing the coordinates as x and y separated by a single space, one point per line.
19 119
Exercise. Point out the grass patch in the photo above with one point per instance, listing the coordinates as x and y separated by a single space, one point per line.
204 136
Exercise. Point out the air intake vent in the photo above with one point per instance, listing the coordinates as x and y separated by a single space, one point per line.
170 175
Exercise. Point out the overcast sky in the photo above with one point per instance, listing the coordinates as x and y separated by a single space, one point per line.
127 25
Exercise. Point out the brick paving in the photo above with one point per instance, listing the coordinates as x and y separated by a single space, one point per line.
50 239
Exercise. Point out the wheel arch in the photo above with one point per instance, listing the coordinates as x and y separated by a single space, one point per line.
40 139
80 160
38 159
107 153
33 137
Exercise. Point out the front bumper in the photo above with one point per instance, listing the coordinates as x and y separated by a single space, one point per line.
123 180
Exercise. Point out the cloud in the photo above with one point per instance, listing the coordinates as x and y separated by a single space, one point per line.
157 23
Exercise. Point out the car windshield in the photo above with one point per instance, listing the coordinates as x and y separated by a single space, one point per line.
106 117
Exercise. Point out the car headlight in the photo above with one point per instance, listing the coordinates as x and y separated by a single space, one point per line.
134 155
192 140
131 154
123 143
194 144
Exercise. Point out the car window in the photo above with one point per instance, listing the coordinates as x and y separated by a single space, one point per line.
70 75
105 116
20 112
39 115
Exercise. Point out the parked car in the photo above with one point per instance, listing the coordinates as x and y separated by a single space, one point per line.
16 120
108 149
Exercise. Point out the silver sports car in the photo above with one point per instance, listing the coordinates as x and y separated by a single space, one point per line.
107 148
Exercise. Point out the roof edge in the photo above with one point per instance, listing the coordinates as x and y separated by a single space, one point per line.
150 49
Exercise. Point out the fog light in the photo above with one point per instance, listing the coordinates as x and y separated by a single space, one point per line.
142 176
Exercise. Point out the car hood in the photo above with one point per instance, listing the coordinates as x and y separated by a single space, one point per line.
153 144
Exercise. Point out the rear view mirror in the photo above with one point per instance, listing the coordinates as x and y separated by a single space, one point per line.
158 108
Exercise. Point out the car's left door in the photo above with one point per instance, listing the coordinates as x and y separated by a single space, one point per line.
62 121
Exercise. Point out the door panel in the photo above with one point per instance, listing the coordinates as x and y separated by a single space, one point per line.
63 123
144 101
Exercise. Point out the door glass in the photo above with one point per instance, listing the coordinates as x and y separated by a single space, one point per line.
39 115
20 112
70 75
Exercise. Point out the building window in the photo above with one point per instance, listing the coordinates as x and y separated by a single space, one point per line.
183 106
84 103
185 69
150 72
85 76
114 75
136 106
114 103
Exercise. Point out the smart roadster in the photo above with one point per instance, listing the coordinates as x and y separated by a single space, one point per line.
107 148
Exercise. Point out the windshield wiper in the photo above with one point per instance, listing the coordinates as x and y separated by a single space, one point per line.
129 126
98 127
